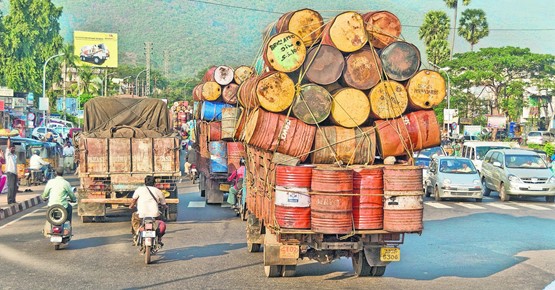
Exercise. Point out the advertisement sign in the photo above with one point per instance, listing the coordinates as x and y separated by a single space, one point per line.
5 92
19 102
96 48
450 116
71 105
496 121
2 105
43 104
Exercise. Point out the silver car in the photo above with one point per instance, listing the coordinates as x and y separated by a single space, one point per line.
453 177
517 172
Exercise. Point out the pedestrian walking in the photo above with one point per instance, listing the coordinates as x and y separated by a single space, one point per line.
68 154
11 171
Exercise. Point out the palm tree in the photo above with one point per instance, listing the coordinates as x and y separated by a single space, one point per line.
89 82
436 26
438 51
473 26
68 61
453 4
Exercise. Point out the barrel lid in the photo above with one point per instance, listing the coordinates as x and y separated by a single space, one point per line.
400 60
285 52
324 64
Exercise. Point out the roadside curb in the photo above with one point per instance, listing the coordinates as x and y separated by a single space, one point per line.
21 206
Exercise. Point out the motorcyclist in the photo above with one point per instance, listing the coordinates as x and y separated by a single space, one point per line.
37 163
57 191
237 178
147 198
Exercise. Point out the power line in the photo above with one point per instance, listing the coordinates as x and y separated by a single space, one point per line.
237 7
500 29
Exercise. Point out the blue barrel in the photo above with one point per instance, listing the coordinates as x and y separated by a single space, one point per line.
212 111
218 156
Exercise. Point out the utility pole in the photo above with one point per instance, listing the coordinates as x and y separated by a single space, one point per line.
166 63
148 51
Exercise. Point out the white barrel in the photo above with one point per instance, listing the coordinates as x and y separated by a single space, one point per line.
292 196
403 202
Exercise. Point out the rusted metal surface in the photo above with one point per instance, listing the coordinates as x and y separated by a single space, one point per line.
223 75
121 200
400 60
275 91
247 94
346 32
229 122
166 155
423 129
119 157
211 91
293 217
368 197
229 93
332 179
312 105
388 99
94 156
197 92
402 178
284 52
426 89
306 23
242 73
215 131
209 74
235 151
383 28
363 69
294 176
141 152
331 213
350 107
324 64
350 146
393 138
218 156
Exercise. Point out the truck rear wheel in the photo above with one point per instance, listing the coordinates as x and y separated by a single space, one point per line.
361 266
253 247
273 270
378 271
289 270
87 219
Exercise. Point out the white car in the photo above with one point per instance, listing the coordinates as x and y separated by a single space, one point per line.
40 132
540 137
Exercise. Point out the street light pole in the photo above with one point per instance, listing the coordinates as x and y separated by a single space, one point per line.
44 84
137 80
446 69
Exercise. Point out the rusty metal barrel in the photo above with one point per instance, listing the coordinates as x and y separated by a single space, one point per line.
400 60
284 52
346 32
215 131
350 146
306 23
292 198
271 131
197 92
230 116
393 138
324 64
275 91
423 129
209 74
363 69
246 95
331 201
240 126
312 105
426 89
383 28
212 111
211 91
403 199
350 107
388 99
235 151
368 197
222 75
229 93
242 73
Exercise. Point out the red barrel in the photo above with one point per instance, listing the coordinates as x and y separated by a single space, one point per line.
247 93
215 131
209 74
403 199
197 92
293 217
368 197
292 198
229 93
423 129
383 28
294 176
393 138
331 200
235 151
363 69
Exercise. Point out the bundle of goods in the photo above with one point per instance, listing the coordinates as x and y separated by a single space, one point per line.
180 113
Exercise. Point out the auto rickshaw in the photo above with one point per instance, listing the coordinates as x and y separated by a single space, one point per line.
20 151
53 154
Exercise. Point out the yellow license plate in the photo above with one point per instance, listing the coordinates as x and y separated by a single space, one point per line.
224 186
288 252
390 254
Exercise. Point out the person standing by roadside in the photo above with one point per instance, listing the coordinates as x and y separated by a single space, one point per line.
68 154
2 176
11 171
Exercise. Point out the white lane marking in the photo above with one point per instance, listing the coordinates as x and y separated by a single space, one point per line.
501 206
470 205
436 204
532 206
197 204
20 218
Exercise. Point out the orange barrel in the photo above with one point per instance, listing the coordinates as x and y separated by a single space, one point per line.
400 60
211 91
229 122
312 105
284 52
423 129
275 91
393 138
270 131
331 201
246 95
388 99
305 23
240 125
403 199
323 65
229 93
383 28
215 131
426 89
242 73
363 69
235 151
350 107
209 74
346 32
351 146
197 92
368 197
292 198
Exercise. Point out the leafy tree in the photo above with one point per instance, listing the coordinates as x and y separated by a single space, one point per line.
68 61
438 51
506 71
473 26
86 83
435 27
454 4
31 36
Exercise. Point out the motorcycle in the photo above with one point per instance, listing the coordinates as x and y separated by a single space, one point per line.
193 173
58 226
37 176
147 238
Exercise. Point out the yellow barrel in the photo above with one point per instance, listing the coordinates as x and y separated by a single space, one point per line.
350 107
346 32
306 23
242 73
425 89
275 91
388 99
284 52
211 91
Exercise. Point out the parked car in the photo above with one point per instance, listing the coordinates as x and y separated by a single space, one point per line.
517 172
453 177
424 162
539 137
476 150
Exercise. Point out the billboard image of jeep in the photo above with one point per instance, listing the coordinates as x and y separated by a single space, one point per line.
97 49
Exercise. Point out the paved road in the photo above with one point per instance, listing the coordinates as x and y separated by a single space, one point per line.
465 245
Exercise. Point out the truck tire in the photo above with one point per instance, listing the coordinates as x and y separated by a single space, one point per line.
288 270
360 265
87 219
273 271
253 248
485 190
378 271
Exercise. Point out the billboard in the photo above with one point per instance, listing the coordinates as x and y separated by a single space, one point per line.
96 48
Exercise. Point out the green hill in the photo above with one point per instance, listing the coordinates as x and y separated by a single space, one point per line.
198 34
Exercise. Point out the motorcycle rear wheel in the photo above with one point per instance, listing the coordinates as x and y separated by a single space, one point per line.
56 247
147 254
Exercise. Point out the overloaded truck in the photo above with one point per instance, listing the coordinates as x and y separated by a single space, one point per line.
125 139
